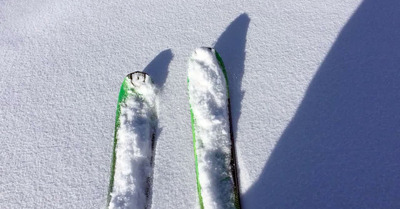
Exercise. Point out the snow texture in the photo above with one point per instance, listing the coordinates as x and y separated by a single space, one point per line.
134 148
314 88
208 97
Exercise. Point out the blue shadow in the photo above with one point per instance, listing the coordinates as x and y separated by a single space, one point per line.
231 46
342 148
158 67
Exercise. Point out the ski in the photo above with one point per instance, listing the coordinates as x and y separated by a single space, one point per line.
214 148
134 144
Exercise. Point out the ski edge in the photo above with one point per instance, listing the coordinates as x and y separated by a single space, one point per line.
233 161
123 94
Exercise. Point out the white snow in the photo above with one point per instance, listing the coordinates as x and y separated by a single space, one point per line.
133 167
209 103
314 93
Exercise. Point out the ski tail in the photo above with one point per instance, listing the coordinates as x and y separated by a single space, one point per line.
134 144
213 140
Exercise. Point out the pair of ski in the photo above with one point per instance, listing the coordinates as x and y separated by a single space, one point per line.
136 126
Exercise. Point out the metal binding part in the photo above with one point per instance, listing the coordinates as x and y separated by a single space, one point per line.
138 75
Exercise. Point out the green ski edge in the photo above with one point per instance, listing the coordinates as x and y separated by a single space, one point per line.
233 150
123 94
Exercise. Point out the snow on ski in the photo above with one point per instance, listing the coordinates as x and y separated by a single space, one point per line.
217 181
133 150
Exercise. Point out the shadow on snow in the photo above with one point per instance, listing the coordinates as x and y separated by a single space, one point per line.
342 147
158 67
231 46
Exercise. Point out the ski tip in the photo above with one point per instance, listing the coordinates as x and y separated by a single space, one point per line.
139 78
207 48
203 54
204 48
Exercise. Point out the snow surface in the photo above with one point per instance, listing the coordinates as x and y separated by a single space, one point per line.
137 124
208 98
314 90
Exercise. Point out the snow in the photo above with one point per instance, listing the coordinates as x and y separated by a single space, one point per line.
313 84
137 124
208 98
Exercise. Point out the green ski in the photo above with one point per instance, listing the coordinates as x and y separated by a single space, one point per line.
214 148
133 149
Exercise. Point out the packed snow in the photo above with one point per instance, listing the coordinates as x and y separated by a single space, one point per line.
134 148
208 97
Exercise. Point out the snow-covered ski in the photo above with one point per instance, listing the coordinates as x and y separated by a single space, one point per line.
134 143
215 158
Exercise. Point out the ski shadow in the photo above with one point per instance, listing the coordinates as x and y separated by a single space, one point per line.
158 71
158 67
231 45
342 147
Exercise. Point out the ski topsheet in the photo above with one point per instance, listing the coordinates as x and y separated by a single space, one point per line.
132 160
217 182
